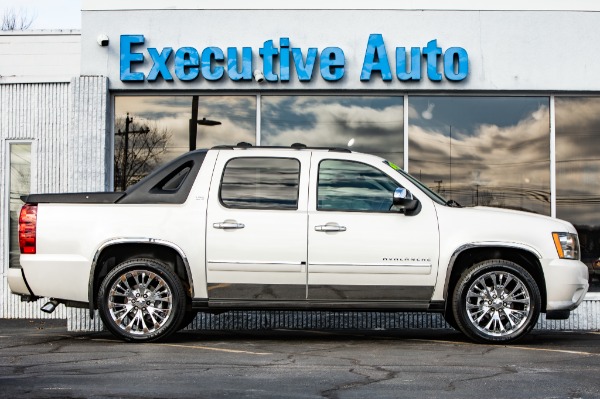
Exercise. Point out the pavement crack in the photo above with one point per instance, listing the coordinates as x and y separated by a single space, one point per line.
505 370
371 375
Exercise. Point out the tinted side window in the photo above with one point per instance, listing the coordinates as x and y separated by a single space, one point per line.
353 186
261 183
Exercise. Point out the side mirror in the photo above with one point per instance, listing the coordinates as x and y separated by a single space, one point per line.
405 199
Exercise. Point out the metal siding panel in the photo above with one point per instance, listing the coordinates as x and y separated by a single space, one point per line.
584 318
34 112
88 138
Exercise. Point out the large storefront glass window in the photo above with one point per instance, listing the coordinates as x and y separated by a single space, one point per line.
578 174
367 123
492 151
152 130
20 183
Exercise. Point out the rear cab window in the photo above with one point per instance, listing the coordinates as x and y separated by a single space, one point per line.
260 183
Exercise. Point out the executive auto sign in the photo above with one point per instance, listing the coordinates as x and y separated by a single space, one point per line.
139 63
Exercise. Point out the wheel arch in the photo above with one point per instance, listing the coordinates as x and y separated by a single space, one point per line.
113 252
471 254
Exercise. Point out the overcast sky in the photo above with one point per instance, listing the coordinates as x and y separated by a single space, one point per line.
48 14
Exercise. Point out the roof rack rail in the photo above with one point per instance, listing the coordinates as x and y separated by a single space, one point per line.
296 146
337 149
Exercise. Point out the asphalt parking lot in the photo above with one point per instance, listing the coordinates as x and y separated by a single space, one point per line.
41 359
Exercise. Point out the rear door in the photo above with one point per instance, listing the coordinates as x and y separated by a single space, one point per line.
256 226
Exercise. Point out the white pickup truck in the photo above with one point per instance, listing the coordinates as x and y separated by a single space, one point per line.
242 227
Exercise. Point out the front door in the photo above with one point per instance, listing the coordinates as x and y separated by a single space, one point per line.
256 227
361 249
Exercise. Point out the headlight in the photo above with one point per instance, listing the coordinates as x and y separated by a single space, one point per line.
567 245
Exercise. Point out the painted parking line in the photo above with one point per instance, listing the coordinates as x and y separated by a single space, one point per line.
555 350
40 334
210 348
527 348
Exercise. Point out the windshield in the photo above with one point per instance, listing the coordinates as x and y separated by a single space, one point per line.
430 193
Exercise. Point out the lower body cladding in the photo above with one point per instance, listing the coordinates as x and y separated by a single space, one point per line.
294 296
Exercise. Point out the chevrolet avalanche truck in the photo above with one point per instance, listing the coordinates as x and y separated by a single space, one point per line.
242 227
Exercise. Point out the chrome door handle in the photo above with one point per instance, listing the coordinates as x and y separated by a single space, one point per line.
330 227
228 225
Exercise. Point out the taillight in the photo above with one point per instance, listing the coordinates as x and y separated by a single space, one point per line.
27 228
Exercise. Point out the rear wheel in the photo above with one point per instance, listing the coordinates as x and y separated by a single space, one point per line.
496 301
141 300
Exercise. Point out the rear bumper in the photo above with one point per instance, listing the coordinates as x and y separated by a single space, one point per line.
64 277
566 284
17 282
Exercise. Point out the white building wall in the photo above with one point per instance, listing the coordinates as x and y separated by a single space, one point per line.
39 56
510 51
67 124
38 113
44 101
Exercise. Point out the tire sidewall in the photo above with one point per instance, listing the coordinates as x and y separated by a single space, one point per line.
459 300
170 278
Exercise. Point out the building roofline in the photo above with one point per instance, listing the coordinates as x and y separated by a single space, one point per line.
41 32
414 5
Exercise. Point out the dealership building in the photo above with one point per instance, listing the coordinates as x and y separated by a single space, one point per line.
489 104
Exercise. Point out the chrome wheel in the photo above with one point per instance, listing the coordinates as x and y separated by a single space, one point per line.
498 303
140 302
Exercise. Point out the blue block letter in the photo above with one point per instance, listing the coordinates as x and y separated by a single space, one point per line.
233 64
432 51
127 58
268 53
376 59
284 59
187 62
303 69
460 55
209 54
415 64
332 63
160 64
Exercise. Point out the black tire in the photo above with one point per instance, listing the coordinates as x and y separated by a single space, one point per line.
496 301
141 300
449 317
188 317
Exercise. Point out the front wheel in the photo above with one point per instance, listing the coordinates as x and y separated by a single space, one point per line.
141 300
496 301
